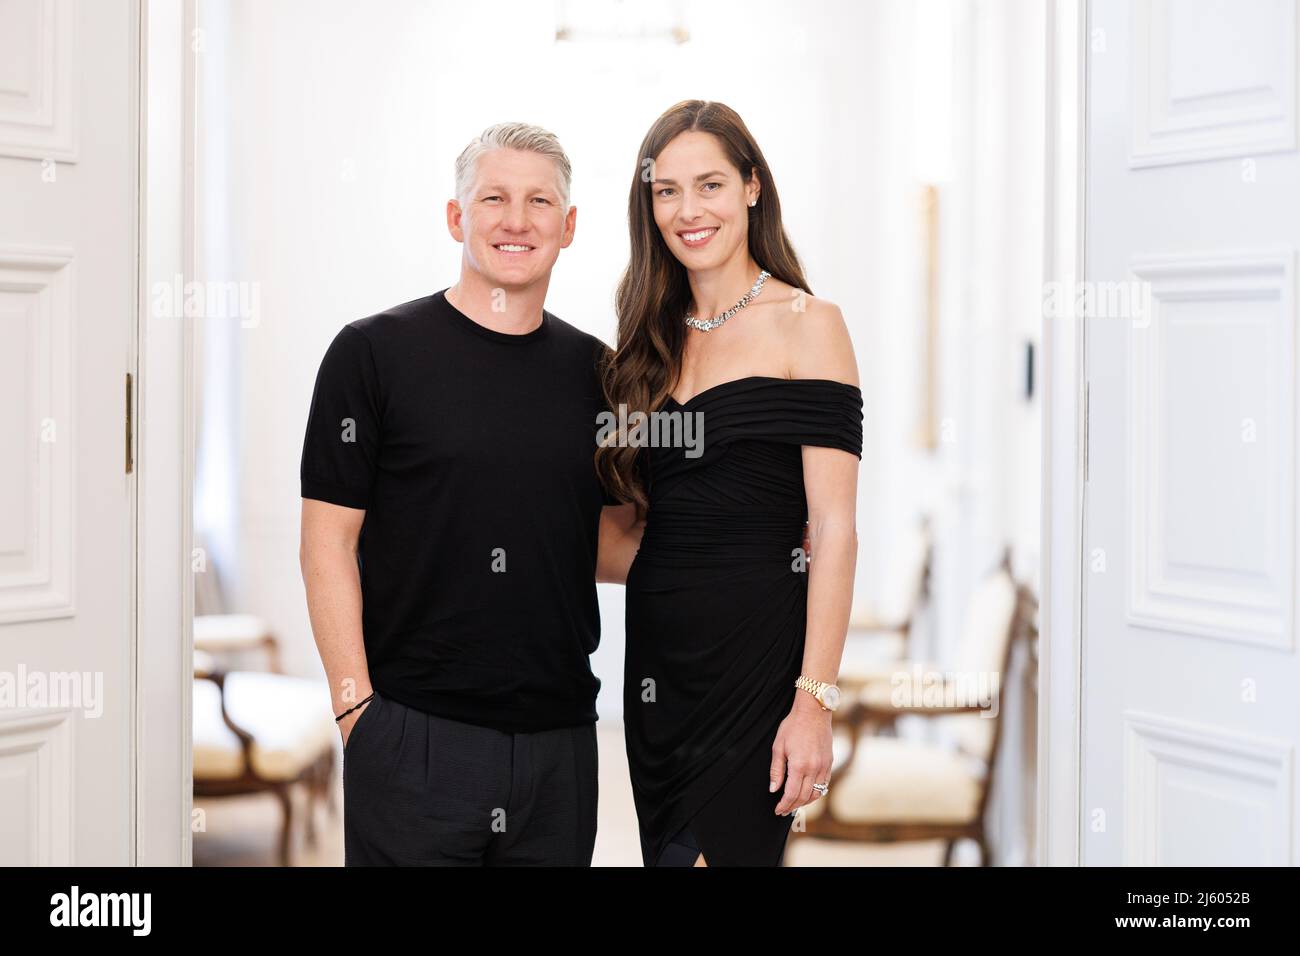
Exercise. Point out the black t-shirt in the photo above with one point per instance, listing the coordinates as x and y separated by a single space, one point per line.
471 451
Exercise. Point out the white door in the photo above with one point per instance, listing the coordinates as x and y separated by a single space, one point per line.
68 166
1191 682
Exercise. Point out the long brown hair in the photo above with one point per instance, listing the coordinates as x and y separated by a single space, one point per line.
654 294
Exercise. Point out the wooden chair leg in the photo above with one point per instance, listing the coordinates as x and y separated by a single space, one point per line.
947 853
313 791
286 803
323 780
320 791
331 801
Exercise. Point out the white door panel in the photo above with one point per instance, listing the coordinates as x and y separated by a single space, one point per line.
1190 671
68 168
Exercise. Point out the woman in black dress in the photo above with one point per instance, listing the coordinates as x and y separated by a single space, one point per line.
733 638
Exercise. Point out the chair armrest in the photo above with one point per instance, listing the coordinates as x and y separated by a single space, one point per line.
925 710
876 701
218 677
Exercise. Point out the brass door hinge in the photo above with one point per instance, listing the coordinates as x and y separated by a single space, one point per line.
130 461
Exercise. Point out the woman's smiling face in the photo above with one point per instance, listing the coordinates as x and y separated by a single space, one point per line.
700 200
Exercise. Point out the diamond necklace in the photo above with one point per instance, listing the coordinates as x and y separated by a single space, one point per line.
708 325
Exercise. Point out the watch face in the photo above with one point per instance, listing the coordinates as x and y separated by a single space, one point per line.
831 697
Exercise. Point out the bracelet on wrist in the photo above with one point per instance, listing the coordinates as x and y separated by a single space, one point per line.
352 708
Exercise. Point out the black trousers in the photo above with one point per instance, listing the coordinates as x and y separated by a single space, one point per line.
422 790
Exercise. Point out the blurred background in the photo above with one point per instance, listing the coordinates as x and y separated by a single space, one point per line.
906 139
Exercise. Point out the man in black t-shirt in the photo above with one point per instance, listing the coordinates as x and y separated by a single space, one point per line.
451 513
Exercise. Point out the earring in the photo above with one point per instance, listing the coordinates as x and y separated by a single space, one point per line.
753 202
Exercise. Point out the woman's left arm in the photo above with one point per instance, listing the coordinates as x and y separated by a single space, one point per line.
801 753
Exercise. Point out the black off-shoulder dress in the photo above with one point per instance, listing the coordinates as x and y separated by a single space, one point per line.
716 613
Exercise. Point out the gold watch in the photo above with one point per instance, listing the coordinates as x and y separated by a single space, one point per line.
828 695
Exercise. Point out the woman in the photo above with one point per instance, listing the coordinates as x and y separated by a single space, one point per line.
723 613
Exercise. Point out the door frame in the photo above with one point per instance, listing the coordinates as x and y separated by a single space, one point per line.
1064 453
162 652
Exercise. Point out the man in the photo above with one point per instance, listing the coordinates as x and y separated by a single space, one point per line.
450 519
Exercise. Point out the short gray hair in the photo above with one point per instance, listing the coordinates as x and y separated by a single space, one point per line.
522 136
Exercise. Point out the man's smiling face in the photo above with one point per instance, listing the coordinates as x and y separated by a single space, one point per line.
512 221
